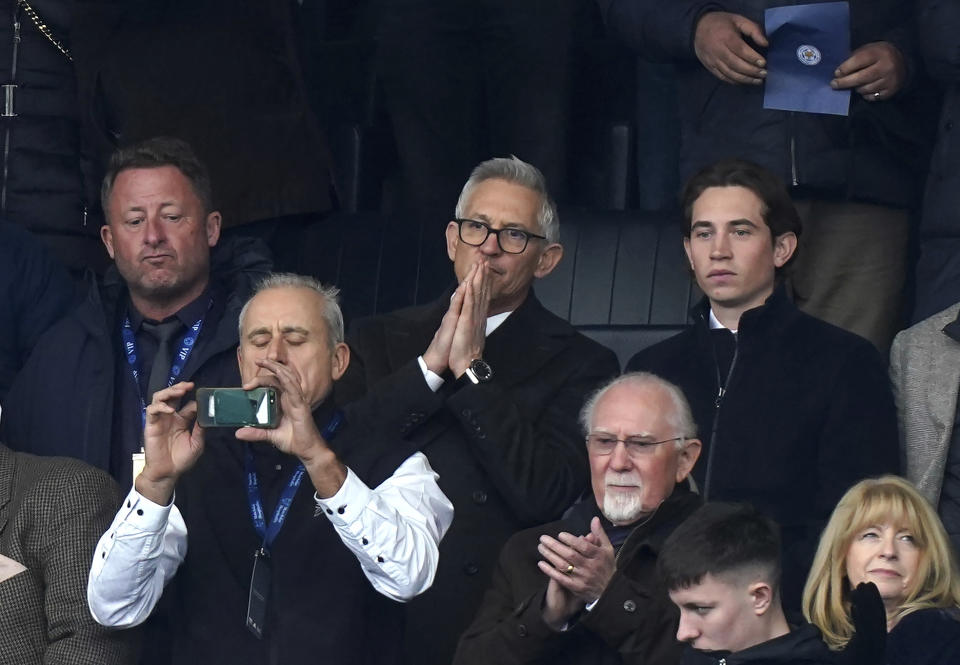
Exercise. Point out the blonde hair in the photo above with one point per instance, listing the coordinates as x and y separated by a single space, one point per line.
878 500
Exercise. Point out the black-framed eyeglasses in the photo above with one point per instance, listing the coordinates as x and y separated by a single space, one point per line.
637 446
511 240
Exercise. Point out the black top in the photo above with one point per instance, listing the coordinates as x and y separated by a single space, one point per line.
926 637
807 412
321 607
801 646
64 400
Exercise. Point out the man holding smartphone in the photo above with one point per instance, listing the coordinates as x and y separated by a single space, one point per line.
263 584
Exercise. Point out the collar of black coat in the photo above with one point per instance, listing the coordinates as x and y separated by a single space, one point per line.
674 509
775 314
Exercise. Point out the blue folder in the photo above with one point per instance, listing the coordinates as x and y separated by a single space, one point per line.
807 44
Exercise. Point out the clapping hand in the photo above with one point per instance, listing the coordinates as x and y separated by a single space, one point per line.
579 568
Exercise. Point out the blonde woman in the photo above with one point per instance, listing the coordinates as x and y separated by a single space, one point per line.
884 533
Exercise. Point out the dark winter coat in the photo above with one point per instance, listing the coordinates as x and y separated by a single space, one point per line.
807 412
939 24
62 402
633 622
926 637
801 646
36 292
42 184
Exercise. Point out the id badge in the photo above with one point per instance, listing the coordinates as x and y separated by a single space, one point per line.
139 461
259 592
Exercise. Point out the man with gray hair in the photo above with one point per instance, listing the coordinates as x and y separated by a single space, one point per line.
584 589
487 383
319 578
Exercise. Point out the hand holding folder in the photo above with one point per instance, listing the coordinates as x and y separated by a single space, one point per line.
808 43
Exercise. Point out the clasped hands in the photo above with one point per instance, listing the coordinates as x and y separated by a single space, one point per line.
462 332
580 569
876 70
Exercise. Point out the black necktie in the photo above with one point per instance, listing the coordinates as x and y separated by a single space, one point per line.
160 371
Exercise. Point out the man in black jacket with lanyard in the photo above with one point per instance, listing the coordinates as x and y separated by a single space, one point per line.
294 554
167 312
584 590
792 410
487 383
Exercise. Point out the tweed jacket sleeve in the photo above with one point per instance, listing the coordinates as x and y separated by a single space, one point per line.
62 509
925 372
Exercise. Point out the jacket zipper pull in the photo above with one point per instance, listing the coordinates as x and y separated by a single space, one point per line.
720 394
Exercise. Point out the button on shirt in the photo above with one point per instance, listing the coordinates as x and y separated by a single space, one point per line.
394 531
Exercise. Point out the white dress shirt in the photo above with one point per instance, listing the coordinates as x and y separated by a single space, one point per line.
715 323
393 530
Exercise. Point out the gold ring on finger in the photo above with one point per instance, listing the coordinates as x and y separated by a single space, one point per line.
570 569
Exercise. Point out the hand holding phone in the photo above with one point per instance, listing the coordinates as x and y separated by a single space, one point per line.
172 442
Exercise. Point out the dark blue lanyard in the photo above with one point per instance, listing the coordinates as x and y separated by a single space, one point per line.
269 533
187 343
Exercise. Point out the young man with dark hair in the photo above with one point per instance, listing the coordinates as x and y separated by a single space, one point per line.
721 568
792 410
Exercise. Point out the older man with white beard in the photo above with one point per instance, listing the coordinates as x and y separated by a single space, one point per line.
584 589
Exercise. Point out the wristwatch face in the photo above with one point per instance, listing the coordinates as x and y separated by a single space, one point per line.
481 370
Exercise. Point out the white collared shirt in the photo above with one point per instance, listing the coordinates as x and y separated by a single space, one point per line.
393 530
715 323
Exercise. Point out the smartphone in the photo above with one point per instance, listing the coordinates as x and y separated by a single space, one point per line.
236 407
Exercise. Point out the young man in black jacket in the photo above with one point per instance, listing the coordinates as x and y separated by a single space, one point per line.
722 569
792 410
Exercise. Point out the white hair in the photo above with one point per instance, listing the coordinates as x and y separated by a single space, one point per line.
680 416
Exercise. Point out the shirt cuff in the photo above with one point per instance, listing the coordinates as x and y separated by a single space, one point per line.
143 514
344 507
434 380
